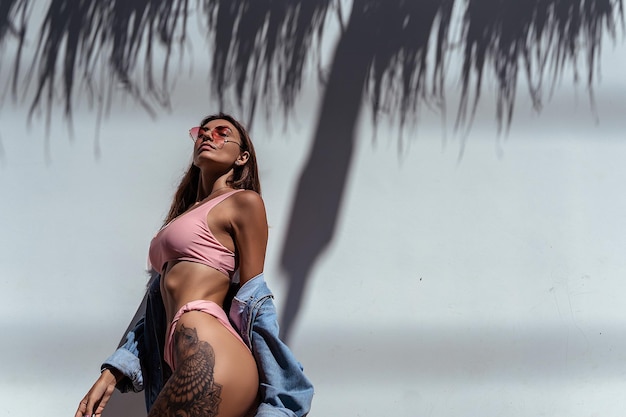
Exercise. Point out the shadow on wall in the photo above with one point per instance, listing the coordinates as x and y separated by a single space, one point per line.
365 51
388 65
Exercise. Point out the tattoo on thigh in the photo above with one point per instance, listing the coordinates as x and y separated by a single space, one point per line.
191 390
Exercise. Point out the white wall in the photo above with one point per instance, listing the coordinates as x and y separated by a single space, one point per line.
488 285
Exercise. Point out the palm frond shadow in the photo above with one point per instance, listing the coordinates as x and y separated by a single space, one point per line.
261 51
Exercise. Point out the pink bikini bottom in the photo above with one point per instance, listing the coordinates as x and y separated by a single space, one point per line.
208 307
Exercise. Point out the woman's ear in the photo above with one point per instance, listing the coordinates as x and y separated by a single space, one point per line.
243 158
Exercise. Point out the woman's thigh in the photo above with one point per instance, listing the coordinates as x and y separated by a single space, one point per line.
215 373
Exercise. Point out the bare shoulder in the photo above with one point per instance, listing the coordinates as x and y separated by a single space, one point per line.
247 197
248 203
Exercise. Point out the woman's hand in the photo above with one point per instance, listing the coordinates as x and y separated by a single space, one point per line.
99 394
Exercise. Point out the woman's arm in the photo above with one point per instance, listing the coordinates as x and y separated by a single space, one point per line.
121 369
249 225
98 396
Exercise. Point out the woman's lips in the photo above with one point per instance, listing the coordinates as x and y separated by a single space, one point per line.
206 147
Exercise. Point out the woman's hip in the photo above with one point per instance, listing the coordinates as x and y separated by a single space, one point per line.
214 372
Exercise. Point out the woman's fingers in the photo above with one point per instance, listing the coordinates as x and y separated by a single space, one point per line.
99 405
82 408
96 399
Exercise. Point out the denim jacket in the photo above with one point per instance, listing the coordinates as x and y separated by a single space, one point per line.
284 389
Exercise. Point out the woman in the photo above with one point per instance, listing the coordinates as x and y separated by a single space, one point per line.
216 226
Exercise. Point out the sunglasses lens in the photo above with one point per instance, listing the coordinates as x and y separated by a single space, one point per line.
217 135
193 133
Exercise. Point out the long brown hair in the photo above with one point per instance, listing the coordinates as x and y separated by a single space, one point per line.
245 176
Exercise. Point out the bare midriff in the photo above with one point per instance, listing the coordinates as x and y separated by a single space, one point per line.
185 281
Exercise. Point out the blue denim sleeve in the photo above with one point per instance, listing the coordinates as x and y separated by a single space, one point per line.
285 390
126 360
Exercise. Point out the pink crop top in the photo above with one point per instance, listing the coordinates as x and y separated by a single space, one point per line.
188 238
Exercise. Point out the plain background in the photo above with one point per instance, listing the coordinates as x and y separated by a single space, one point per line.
487 285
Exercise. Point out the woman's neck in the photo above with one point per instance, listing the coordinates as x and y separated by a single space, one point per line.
210 186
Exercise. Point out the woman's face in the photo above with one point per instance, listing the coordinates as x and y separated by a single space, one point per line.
217 143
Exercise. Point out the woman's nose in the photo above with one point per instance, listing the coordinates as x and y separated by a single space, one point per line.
206 135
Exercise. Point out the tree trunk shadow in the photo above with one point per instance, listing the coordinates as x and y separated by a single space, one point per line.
322 183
